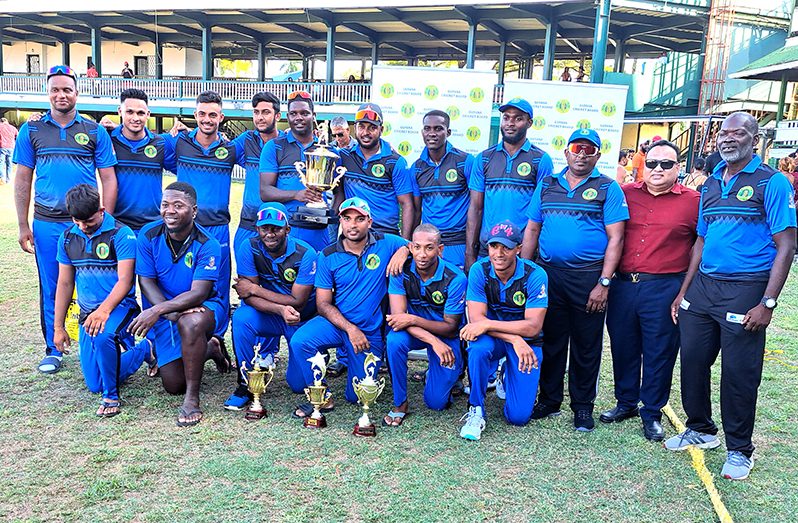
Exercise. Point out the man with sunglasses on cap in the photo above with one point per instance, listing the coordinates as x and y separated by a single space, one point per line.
64 149
576 218
503 178
351 285
657 242
275 283
339 130
378 174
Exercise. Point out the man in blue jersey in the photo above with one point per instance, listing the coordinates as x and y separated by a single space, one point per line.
427 302
577 219
507 299
378 174
177 261
280 180
98 254
503 178
741 259
441 177
275 284
64 149
350 288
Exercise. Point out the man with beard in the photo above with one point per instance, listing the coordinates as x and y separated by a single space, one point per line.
577 218
378 174
279 179
441 177
275 284
503 178
746 242
339 130
64 149
177 261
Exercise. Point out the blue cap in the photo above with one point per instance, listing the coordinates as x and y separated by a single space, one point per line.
355 204
272 213
585 134
507 233
518 103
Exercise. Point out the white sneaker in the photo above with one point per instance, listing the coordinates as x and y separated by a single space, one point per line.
474 424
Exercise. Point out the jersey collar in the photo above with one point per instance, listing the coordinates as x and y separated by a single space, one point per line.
290 248
435 277
289 135
108 224
519 272
370 240
385 150
425 154
749 168
117 133
192 135
527 145
48 117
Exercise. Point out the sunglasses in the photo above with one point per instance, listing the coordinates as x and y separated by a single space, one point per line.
368 114
586 148
270 213
61 70
665 164
337 135
300 94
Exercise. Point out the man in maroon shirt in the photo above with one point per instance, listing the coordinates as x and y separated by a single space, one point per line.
656 252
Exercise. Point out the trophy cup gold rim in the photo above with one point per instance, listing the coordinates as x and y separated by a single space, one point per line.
367 394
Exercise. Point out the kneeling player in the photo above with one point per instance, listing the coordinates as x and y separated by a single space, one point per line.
427 303
178 266
507 300
98 254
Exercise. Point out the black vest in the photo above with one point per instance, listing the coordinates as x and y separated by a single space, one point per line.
287 271
435 293
512 303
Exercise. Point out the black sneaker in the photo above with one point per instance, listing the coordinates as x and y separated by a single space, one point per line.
545 411
583 421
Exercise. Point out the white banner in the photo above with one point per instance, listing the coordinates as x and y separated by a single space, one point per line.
561 107
406 94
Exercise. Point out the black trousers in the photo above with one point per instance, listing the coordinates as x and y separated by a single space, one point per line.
708 320
572 337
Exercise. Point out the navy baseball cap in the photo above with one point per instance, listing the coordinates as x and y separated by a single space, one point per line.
507 233
272 213
518 103
370 113
585 134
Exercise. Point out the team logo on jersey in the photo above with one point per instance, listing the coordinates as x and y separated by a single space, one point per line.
542 294
538 123
211 264
476 95
387 90
408 110
82 138
102 250
378 170
372 262
519 298
589 194
431 92
523 169
745 193
189 259
386 129
583 124
221 153
453 111
473 133
289 275
150 151
437 297
404 148
562 106
451 175
558 142
608 109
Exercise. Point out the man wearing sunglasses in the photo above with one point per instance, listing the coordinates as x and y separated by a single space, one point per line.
658 239
339 129
576 219
378 174
741 259
279 179
503 179
64 149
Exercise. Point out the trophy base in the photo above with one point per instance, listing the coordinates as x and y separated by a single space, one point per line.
369 431
315 423
255 415
311 217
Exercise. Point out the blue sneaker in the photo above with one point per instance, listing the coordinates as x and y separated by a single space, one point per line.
737 465
474 424
50 364
238 399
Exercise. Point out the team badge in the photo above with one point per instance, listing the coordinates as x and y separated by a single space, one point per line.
519 298
289 275
211 264
372 262
745 193
378 170
542 294
590 194
102 251
451 175
221 153
189 259
523 169
150 151
82 138
437 297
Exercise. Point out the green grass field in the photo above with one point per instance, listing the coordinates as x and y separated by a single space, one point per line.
58 462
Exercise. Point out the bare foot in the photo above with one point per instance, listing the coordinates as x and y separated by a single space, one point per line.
218 353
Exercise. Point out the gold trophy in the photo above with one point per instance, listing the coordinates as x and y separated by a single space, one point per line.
367 391
256 382
317 393
318 171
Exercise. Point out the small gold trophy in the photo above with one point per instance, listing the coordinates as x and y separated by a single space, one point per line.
319 171
367 391
317 393
256 382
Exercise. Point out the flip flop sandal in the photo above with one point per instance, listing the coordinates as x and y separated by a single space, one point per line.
419 376
152 365
393 415
307 410
182 412
48 361
108 405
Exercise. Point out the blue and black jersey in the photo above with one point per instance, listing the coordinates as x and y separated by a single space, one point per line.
738 220
278 156
443 189
252 144
62 158
442 294
95 260
573 234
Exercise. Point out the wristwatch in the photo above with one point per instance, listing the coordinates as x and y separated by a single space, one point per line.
769 302
604 281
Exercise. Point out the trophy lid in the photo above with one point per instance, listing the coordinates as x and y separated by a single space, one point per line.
322 150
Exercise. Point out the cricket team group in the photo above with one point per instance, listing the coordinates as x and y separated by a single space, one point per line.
503 270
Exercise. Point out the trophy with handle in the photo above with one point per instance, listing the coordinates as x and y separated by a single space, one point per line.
317 393
256 382
318 171
367 390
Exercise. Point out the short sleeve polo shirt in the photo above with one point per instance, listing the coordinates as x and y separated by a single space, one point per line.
442 294
252 144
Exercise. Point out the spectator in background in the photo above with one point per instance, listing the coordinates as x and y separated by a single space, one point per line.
787 168
638 159
91 71
127 72
566 75
696 179
8 136
621 174
339 131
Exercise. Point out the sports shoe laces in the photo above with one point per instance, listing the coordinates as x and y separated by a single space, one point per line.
472 417
737 458
583 414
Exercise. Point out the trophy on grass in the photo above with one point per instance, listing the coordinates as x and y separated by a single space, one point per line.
256 382
317 393
367 391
